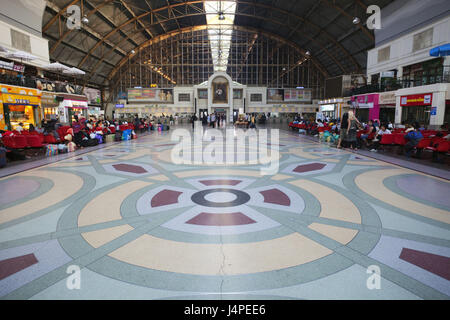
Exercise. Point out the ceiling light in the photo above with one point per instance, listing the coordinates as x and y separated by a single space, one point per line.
221 16
356 20
307 53
85 20
133 52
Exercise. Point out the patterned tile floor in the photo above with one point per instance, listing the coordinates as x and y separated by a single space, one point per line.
141 227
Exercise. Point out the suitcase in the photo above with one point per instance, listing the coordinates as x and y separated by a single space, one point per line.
2 157
62 148
110 138
51 150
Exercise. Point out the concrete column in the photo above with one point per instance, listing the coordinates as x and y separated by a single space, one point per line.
439 103
398 110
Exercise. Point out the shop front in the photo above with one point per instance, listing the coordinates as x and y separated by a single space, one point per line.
367 107
328 111
426 105
19 105
417 108
72 106
387 101
49 105
334 108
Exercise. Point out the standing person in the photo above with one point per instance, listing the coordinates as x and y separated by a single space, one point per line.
352 129
253 122
194 119
343 131
213 120
136 122
208 120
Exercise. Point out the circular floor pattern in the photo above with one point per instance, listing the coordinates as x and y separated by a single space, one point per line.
201 198
237 221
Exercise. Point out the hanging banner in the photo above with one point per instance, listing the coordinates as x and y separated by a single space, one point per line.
297 95
151 95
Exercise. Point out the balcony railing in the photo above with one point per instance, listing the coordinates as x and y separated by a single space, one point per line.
23 81
399 83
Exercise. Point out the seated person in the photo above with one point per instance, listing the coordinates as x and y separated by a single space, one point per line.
369 130
376 142
413 137
19 128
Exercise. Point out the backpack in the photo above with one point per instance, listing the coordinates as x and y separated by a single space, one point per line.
99 137
51 150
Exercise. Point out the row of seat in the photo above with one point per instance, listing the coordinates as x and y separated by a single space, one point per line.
397 138
309 127
23 141
437 144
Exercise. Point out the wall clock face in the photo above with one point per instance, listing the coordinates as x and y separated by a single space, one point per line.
219 92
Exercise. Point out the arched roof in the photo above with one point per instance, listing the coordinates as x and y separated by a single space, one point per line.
325 28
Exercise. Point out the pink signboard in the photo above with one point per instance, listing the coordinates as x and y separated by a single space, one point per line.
368 101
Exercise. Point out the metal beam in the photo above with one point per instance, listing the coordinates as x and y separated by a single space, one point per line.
205 27
134 16
87 29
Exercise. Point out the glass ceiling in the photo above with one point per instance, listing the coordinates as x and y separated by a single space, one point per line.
220 16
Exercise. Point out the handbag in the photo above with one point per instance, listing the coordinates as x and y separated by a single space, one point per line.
71 147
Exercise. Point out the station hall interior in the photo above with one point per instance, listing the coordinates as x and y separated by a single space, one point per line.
224 150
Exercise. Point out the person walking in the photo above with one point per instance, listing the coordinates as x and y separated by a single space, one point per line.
194 119
352 130
213 120
343 131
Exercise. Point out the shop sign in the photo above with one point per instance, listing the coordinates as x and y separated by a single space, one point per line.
120 106
387 98
366 101
327 108
55 86
417 100
20 90
12 66
75 104
48 100
388 74
21 100
433 111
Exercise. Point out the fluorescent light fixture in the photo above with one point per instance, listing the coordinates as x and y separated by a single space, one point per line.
300 87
